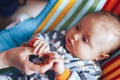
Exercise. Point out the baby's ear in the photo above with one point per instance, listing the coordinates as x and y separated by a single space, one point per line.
103 56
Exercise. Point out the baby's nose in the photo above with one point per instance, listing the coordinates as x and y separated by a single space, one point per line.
75 37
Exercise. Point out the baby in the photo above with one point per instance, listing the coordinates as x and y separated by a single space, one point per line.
75 53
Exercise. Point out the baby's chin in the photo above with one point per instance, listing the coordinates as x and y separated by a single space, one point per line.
66 47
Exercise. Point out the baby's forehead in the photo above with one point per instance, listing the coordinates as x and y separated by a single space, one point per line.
104 21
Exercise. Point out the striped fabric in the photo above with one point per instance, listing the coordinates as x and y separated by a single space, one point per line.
111 68
67 13
112 6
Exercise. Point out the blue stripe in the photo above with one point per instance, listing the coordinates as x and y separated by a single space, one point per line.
100 5
56 14
69 14
42 15
82 13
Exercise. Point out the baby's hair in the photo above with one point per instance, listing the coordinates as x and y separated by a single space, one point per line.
115 20
109 14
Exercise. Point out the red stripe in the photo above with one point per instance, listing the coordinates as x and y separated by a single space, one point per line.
111 71
106 4
115 6
116 77
111 61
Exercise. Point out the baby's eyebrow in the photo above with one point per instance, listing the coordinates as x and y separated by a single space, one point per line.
79 25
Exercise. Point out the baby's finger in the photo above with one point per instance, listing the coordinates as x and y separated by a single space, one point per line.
57 60
47 49
38 46
41 68
36 43
55 55
42 49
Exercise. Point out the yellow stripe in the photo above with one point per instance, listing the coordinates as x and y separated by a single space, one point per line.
48 16
113 65
112 75
61 15
109 68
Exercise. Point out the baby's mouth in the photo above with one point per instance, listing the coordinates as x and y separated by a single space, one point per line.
69 42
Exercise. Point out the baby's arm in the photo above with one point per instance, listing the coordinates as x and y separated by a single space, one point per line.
73 74
62 73
89 72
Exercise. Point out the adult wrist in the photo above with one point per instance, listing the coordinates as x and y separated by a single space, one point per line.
3 60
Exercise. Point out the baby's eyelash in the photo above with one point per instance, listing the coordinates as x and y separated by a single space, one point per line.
85 40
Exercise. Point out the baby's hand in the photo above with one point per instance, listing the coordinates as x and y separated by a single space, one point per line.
40 46
58 61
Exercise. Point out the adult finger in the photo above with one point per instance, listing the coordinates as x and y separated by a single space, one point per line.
25 50
40 68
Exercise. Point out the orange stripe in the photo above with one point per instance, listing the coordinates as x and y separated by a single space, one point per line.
113 70
112 75
61 15
118 79
107 69
48 16
111 4
111 61
117 10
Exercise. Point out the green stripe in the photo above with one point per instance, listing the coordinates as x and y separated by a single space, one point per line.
81 6
6 69
93 7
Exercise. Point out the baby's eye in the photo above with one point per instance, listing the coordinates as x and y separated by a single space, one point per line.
85 40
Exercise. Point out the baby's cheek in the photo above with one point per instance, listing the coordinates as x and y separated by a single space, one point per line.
82 53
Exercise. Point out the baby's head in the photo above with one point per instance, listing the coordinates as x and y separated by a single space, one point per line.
94 37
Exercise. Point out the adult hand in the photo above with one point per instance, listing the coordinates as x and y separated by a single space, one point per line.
19 58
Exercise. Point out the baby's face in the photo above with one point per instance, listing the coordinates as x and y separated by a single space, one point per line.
89 38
